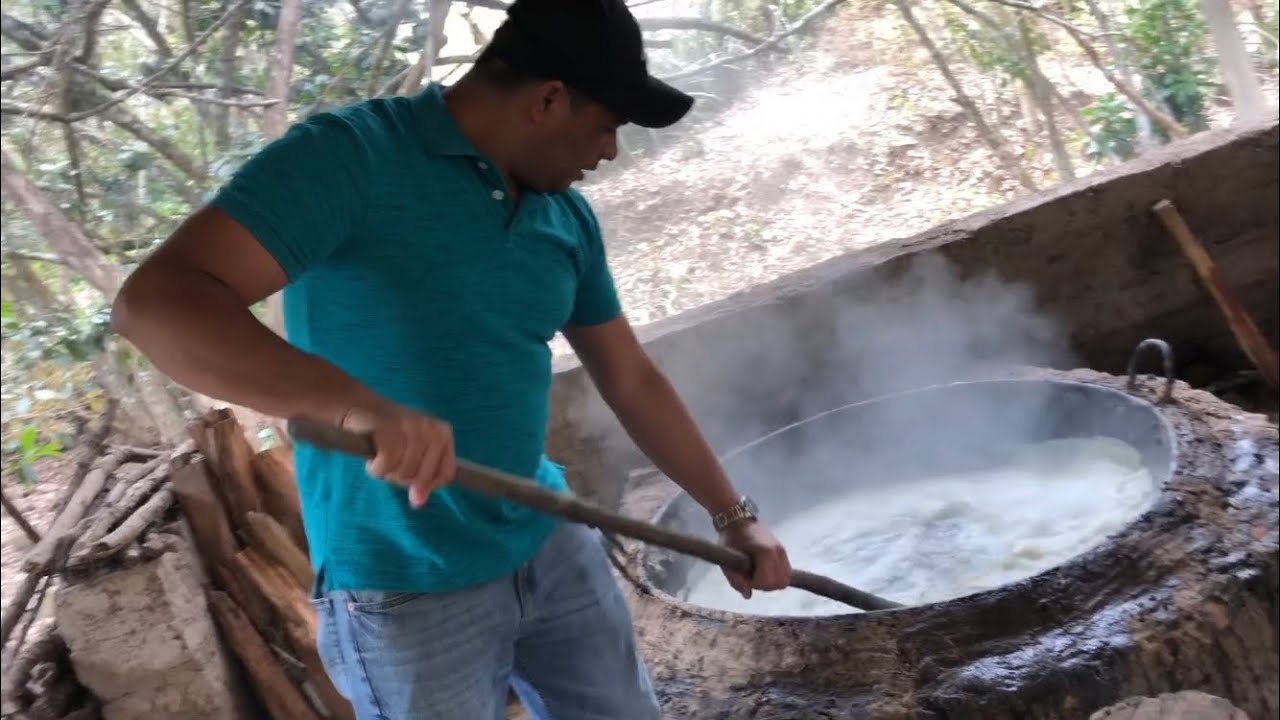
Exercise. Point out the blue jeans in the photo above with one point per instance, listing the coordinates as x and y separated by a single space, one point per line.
558 631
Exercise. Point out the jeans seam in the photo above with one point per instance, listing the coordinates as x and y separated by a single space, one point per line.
358 661
391 602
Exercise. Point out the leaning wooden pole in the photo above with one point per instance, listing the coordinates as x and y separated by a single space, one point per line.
1242 326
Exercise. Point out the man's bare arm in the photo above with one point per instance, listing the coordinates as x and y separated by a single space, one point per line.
654 416
187 309
651 411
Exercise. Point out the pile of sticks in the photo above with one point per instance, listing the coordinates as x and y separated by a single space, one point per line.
243 511
245 516
109 516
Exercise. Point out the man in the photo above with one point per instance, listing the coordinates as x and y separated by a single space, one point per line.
429 248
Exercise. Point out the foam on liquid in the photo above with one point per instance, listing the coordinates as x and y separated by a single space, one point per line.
943 537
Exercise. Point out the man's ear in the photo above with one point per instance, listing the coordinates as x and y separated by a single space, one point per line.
549 100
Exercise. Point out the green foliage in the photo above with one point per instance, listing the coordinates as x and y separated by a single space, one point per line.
1113 128
1168 38
45 381
25 448
59 336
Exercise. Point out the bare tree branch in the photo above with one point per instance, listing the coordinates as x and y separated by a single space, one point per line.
437 13
149 26
168 67
63 235
801 25
990 135
384 44
693 23
12 72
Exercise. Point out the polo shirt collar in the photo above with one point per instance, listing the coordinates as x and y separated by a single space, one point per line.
440 132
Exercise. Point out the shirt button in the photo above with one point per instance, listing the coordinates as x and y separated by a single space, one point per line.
483 165
498 194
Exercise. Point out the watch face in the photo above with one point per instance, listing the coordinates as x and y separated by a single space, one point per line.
750 505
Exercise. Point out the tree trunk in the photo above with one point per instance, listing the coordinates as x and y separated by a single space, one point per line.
227 78
438 12
63 236
1042 94
989 134
1233 61
275 119
28 290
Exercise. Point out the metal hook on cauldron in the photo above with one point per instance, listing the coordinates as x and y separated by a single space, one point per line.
498 484
1166 353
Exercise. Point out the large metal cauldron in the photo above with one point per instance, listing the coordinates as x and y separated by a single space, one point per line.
1184 597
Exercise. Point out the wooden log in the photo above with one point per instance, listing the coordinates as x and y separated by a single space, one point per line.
40 555
90 450
201 432
233 467
245 594
278 587
46 646
272 540
131 529
273 471
279 696
1242 326
133 490
304 648
210 527
19 602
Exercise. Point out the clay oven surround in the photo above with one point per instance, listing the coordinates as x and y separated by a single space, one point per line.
1184 597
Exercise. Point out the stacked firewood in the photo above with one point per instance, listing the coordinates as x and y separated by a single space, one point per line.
244 513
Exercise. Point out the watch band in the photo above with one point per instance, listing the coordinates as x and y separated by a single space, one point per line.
744 509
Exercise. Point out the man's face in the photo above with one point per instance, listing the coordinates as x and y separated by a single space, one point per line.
568 137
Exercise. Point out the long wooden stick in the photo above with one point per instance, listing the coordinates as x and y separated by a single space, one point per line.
1242 326
39 555
496 483
17 516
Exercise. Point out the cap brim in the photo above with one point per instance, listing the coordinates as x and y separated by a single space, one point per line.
652 104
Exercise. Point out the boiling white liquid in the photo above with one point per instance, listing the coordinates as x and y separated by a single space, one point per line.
943 537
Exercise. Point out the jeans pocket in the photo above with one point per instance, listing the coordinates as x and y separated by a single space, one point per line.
329 643
376 601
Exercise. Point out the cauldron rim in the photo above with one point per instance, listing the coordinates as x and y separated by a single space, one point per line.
648 586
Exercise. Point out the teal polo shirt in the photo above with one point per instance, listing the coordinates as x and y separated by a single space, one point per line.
411 269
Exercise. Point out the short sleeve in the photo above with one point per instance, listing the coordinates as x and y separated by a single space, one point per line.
596 301
302 194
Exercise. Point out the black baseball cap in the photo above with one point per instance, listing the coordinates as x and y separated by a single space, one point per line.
594 47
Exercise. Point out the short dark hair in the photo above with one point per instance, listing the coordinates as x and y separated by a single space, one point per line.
494 73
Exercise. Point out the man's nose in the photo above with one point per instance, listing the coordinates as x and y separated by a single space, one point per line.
610 151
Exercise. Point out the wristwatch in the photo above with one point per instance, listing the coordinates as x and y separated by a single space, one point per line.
744 509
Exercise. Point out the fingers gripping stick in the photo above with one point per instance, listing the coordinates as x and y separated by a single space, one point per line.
498 484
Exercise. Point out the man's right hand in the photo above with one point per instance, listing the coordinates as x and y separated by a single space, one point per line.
413 450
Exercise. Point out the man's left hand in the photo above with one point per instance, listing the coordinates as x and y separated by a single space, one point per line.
772 569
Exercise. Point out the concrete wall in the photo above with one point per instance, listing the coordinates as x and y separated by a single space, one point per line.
1075 276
